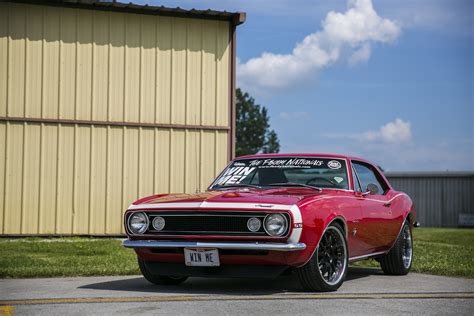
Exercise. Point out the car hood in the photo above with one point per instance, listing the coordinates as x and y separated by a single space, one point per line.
280 196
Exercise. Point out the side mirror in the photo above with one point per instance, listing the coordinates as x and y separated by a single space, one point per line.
372 189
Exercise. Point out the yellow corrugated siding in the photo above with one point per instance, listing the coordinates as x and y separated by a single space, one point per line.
48 180
65 190
78 60
115 179
4 39
74 64
83 81
163 69
51 48
3 177
30 179
34 63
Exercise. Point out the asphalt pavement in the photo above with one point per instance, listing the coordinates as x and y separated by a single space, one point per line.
365 292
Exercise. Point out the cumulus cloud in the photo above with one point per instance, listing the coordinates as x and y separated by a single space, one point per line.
346 37
396 132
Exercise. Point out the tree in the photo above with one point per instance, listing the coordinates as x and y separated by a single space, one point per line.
272 144
252 127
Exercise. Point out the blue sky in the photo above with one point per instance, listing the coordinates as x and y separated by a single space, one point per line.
390 81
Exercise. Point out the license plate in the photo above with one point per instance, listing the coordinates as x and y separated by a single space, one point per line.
201 257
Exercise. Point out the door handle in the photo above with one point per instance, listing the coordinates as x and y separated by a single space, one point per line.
388 204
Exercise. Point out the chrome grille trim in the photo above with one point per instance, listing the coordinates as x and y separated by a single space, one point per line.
215 223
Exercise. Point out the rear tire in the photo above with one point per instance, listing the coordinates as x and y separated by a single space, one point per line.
327 268
159 279
399 259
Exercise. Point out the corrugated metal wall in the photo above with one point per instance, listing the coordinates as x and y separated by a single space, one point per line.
439 197
165 78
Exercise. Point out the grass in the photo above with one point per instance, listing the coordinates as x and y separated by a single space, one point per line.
60 257
440 251
436 251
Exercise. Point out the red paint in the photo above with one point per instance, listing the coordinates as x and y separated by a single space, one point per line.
375 223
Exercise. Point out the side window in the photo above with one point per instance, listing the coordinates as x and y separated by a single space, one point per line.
367 175
356 182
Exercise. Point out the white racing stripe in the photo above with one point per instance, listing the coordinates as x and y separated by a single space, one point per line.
296 233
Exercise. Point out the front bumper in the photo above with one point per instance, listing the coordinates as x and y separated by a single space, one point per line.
217 245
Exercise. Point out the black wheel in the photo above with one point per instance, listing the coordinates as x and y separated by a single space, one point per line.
159 279
399 259
327 268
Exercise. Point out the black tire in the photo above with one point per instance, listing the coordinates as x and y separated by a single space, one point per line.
159 279
399 259
311 276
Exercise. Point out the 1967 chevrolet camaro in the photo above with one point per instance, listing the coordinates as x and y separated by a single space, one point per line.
266 215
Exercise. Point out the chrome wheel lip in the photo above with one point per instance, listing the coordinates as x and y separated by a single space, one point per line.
407 247
341 272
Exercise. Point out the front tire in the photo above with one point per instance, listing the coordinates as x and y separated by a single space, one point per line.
399 259
327 268
159 279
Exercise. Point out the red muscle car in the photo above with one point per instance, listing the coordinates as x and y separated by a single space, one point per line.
265 215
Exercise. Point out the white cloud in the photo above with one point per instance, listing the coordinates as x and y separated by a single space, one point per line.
344 36
396 132
360 55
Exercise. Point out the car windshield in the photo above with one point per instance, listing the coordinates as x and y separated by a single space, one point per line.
267 172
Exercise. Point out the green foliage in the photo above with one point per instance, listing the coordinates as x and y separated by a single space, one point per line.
252 127
272 144
440 251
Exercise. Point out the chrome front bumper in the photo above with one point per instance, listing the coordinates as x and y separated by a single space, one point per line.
218 245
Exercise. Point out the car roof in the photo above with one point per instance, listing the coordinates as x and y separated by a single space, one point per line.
335 156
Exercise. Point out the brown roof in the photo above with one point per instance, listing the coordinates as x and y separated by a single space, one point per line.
235 18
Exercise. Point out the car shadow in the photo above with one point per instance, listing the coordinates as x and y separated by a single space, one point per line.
282 284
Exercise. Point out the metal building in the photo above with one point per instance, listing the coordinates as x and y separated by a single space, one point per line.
102 102
442 199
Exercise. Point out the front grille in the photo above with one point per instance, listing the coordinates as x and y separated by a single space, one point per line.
207 223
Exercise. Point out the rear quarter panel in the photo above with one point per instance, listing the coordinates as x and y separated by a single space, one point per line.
403 209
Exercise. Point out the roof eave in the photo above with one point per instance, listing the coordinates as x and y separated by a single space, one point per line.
236 18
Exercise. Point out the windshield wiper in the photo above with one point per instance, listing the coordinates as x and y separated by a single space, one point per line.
240 185
282 184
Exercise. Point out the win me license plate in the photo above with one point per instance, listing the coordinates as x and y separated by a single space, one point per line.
201 257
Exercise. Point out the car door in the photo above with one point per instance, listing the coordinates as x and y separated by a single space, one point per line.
377 228
353 215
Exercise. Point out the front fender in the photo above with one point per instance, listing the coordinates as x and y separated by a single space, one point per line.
316 217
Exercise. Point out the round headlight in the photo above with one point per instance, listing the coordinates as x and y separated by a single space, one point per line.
138 223
158 223
275 225
254 224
